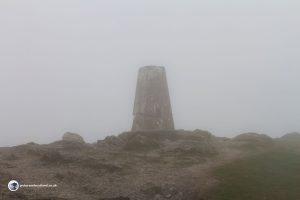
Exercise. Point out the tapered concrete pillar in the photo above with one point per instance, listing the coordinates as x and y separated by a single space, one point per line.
152 106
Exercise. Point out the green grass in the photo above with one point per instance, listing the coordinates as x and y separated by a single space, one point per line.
268 176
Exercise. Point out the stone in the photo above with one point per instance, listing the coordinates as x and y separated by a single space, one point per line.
152 106
291 136
73 137
113 140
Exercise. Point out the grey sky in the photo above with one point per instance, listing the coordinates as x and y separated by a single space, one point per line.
68 65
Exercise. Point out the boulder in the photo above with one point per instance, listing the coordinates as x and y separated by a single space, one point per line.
113 140
254 140
291 136
73 137
290 140
253 137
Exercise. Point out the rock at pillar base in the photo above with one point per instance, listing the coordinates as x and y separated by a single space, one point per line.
73 137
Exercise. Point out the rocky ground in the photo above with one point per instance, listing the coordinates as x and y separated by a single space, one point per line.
175 165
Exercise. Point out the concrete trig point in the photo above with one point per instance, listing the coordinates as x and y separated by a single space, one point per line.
152 107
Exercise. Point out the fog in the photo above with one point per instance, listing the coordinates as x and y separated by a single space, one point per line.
232 66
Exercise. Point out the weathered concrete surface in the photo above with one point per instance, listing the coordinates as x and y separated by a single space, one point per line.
152 106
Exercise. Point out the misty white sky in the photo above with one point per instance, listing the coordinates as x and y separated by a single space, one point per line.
68 65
